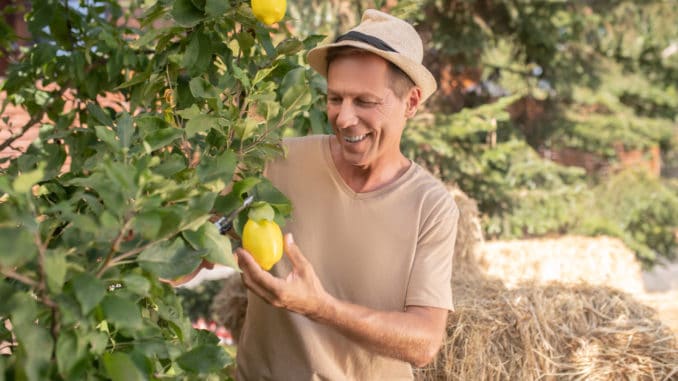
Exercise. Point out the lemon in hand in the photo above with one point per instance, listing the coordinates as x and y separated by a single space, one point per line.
269 11
263 239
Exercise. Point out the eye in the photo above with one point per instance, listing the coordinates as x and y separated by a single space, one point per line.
366 102
334 100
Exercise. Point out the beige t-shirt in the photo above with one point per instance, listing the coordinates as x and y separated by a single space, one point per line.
385 249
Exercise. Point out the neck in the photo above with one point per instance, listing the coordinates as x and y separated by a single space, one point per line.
368 178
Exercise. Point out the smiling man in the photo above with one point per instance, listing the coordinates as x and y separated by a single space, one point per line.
364 290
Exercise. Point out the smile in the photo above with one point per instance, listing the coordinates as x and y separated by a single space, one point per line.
355 139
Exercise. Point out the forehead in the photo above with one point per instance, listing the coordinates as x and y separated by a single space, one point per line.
359 69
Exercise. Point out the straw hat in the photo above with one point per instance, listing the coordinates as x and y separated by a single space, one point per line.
388 37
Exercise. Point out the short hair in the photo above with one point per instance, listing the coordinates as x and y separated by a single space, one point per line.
400 82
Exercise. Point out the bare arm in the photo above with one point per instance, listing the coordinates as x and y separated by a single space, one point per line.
413 335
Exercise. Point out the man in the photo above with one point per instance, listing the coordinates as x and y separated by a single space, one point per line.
364 289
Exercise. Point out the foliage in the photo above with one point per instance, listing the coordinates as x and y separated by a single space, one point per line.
640 209
149 125
196 301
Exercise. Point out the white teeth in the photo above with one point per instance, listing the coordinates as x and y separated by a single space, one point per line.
354 139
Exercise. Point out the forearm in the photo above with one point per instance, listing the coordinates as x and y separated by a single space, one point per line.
414 335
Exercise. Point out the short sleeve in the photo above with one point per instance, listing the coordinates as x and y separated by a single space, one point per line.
431 275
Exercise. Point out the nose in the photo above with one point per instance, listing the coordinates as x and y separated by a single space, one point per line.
346 115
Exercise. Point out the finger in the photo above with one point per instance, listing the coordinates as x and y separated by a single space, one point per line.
293 253
257 280
256 288
254 272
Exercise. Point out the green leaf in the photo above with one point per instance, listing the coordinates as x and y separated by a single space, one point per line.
228 203
171 164
125 130
148 224
120 367
122 312
245 41
18 246
89 291
269 110
246 128
294 90
318 121
289 47
197 57
189 113
201 123
137 79
197 211
313 40
163 137
217 247
70 349
99 114
137 284
170 259
107 136
25 181
216 8
218 168
122 176
241 75
186 14
39 346
97 341
204 359
261 210
55 269
265 191
263 73
201 88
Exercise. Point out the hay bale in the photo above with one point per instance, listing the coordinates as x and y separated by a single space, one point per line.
571 332
230 305
569 259
469 234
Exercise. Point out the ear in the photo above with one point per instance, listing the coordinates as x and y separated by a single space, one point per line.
413 101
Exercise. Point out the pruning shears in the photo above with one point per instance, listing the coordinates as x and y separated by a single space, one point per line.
224 224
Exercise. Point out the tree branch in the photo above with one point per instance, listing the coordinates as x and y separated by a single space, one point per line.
31 122
18 277
114 247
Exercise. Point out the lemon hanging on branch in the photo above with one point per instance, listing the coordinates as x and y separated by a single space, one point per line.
262 237
269 11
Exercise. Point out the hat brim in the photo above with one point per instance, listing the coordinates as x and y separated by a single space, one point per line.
420 75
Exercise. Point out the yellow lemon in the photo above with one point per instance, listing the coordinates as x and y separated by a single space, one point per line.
269 11
264 240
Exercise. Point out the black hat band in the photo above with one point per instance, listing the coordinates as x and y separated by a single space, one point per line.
370 40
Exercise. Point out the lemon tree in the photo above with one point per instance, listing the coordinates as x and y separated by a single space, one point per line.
145 114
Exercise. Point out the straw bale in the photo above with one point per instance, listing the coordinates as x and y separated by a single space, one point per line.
230 305
666 304
569 259
469 234
552 332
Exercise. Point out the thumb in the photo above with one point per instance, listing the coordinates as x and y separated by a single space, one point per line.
292 251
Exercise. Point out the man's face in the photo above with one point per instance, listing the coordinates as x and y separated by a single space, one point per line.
366 116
